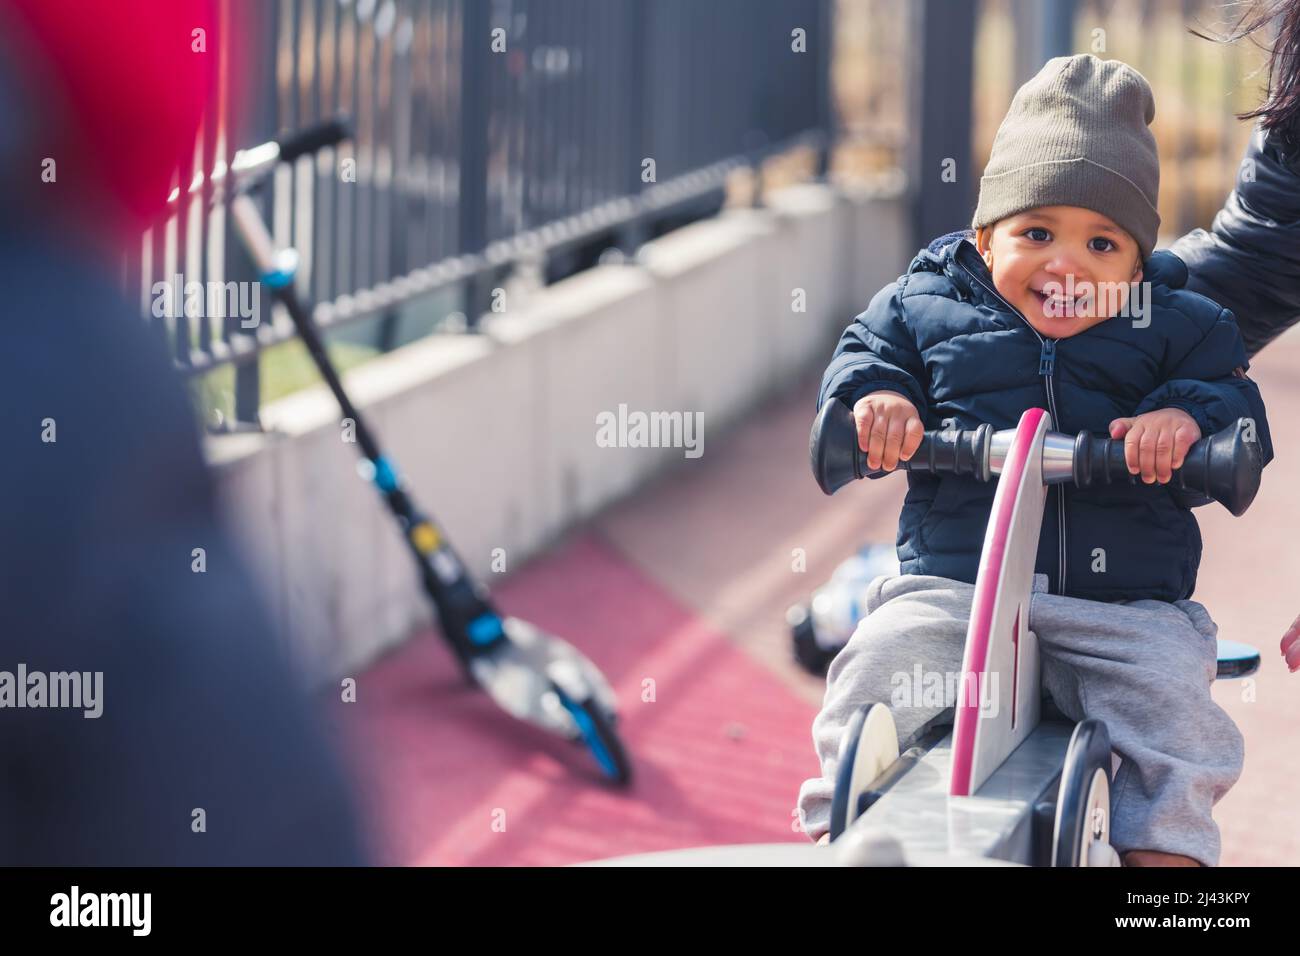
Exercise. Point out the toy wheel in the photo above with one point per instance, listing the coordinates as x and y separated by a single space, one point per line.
869 746
596 732
811 657
1081 835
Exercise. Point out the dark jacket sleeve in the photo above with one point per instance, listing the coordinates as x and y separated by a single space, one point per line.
1209 382
1249 261
877 351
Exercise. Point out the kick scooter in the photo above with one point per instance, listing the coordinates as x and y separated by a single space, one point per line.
533 675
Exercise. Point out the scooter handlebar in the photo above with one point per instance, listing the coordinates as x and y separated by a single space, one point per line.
315 137
1225 466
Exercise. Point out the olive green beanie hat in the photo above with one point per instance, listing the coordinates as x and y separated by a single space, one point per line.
1077 134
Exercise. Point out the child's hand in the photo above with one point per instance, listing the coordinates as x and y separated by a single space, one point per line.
889 429
1155 443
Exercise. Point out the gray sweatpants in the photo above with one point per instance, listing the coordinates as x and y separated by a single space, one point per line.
1144 667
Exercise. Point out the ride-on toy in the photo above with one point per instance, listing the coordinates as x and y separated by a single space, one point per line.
534 676
1027 786
1021 783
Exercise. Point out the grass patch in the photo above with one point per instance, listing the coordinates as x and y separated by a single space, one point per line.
285 368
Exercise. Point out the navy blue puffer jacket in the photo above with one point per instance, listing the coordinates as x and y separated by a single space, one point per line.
942 336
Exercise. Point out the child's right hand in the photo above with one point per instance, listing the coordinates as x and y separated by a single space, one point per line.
889 429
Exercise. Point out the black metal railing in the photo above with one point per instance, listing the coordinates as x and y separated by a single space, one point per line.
486 131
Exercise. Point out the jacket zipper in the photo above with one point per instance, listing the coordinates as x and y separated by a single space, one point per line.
1046 369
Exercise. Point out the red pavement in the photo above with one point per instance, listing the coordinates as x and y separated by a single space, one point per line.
718 753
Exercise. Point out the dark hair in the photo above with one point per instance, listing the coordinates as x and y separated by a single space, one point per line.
1281 110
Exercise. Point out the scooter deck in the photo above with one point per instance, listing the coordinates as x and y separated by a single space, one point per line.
997 822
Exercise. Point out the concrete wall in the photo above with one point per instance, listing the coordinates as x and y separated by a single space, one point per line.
496 433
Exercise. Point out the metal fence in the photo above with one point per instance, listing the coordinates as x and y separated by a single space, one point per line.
495 132
487 131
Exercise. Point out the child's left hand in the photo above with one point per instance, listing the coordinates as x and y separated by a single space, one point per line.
1155 443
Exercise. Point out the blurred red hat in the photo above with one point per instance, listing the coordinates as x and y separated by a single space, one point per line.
113 91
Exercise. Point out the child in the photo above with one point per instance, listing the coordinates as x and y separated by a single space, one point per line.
1035 308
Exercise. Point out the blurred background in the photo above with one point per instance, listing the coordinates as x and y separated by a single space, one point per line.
556 207
551 133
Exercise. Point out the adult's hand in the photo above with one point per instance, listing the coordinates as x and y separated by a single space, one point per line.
1291 646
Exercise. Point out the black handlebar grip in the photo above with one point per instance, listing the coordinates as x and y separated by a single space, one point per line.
836 458
315 137
1226 466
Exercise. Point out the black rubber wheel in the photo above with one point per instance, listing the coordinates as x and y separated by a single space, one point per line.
1084 776
600 738
811 657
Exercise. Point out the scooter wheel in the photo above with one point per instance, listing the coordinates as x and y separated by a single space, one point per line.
1081 835
596 732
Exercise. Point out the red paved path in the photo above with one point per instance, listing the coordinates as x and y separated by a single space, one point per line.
714 752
